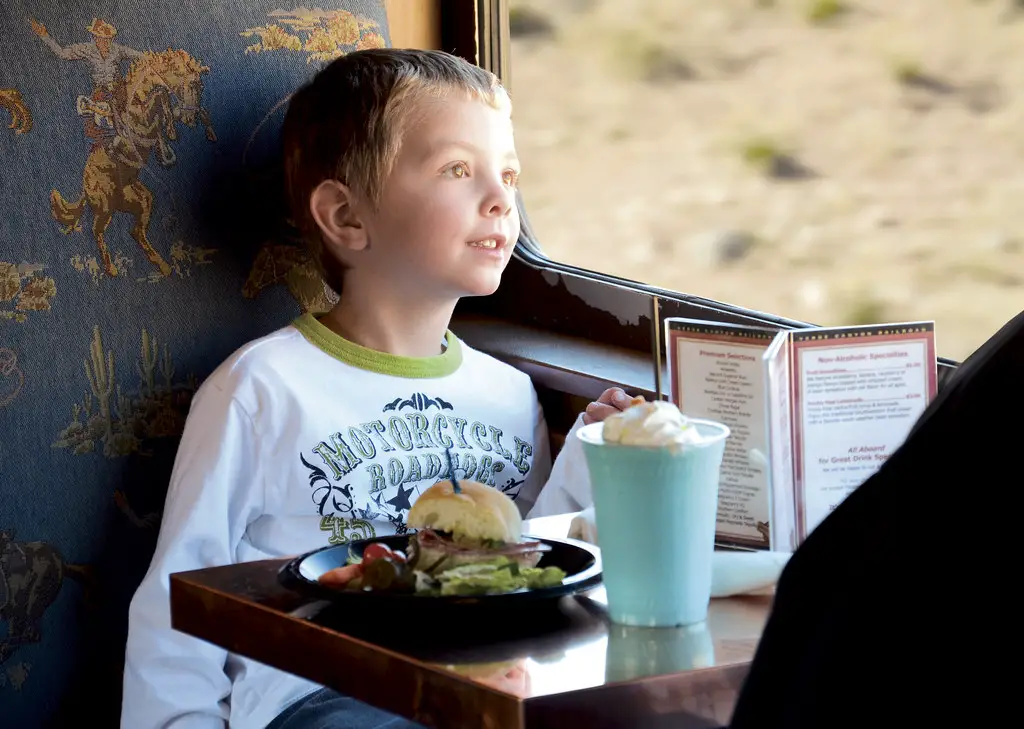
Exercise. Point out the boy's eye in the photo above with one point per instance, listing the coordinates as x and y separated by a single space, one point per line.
459 170
510 177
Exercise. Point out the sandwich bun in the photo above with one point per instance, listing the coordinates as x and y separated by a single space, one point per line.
478 512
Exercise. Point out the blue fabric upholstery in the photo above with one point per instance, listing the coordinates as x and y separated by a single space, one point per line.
141 240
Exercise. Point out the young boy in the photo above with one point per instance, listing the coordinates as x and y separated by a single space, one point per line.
401 171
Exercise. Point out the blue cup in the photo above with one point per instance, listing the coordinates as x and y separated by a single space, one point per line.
655 509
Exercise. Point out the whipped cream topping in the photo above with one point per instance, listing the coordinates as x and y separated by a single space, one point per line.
654 424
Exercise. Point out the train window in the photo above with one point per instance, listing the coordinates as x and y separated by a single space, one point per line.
832 162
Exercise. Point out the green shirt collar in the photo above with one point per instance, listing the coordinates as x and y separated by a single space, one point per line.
382 363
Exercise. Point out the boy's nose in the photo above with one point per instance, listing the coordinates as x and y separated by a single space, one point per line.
499 202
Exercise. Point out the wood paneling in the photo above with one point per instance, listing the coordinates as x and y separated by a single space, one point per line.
414 23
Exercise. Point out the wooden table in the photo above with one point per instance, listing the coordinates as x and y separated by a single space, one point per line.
565 666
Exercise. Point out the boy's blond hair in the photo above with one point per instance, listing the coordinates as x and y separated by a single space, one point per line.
347 125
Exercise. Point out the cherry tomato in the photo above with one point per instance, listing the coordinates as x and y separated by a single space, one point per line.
376 551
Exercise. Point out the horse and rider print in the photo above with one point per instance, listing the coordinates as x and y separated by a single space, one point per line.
128 116
21 116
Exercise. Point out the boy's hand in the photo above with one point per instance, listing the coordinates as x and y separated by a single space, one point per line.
612 400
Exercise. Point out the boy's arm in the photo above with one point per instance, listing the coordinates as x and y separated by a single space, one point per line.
172 679
568 487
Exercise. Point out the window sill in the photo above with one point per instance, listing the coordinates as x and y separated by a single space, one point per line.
571 365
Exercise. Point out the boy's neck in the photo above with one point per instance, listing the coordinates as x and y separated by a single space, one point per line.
384 324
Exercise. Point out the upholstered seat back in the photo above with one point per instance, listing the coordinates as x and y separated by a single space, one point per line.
142 239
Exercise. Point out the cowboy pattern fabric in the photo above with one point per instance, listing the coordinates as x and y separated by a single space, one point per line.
142 240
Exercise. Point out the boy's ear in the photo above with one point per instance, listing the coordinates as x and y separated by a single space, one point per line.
334 208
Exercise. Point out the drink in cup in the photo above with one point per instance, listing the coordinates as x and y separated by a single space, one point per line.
654 475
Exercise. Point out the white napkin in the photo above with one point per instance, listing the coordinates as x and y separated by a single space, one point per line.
732 573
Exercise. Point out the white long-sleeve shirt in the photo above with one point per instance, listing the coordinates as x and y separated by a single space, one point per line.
299 440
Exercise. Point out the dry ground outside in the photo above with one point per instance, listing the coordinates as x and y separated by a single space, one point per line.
838 162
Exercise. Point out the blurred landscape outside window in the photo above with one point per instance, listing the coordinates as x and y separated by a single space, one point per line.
850 162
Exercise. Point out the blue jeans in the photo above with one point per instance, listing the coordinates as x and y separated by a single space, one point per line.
327 709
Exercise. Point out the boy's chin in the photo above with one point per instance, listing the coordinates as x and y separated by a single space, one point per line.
482 286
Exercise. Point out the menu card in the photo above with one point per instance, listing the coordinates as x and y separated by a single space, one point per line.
813 413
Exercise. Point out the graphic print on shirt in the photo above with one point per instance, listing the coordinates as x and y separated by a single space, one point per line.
367 473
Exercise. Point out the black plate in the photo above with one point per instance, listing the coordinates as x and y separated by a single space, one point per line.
580 561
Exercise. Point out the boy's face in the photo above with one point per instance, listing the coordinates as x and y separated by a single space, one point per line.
447 220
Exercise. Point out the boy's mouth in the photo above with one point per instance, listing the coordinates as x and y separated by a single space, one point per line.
489 243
